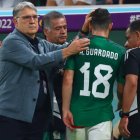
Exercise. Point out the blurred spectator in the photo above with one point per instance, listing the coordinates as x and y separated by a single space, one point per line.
70 2
104 2
77 2
13 3
38 2
128 1
60 2
9 3
88 2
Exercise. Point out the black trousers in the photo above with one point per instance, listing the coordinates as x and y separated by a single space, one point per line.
11 129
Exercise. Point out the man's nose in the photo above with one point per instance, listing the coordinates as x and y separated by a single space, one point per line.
63 30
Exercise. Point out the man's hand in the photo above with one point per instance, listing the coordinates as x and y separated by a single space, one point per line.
68 119
123 127
76 46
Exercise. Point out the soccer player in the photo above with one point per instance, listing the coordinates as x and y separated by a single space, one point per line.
88 82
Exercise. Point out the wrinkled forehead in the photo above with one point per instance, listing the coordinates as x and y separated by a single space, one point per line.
58 22
27 11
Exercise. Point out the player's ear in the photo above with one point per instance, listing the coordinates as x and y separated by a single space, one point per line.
46 31
138 34
110 26
15 20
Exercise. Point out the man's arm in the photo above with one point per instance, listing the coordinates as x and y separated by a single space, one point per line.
130 90
120 88
17 51
66 98
129 94
76 46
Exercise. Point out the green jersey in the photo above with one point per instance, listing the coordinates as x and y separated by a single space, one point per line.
95 71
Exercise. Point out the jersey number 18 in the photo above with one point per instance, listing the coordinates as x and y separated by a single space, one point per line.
100 80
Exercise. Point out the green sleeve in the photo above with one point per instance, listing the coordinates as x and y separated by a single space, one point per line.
70 65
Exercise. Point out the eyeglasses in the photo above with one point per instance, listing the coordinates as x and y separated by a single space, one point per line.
35 17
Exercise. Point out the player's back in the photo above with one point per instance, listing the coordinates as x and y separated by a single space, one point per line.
95 72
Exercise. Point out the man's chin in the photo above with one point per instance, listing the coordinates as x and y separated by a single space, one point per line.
62 41
32 32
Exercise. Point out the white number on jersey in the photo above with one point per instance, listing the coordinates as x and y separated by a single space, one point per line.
100 80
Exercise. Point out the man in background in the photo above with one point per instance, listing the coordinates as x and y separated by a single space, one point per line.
130 115
54 26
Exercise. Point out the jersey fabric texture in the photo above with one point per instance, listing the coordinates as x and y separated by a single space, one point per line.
95 71
132 66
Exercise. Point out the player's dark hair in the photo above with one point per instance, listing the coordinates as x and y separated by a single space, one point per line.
134 26
101 19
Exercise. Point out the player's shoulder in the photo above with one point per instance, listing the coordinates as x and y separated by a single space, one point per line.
133 51
117 46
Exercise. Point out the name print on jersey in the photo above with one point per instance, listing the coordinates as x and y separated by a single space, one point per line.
101 53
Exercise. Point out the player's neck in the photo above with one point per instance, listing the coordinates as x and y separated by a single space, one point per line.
101 33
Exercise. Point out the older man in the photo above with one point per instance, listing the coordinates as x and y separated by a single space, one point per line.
25 68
